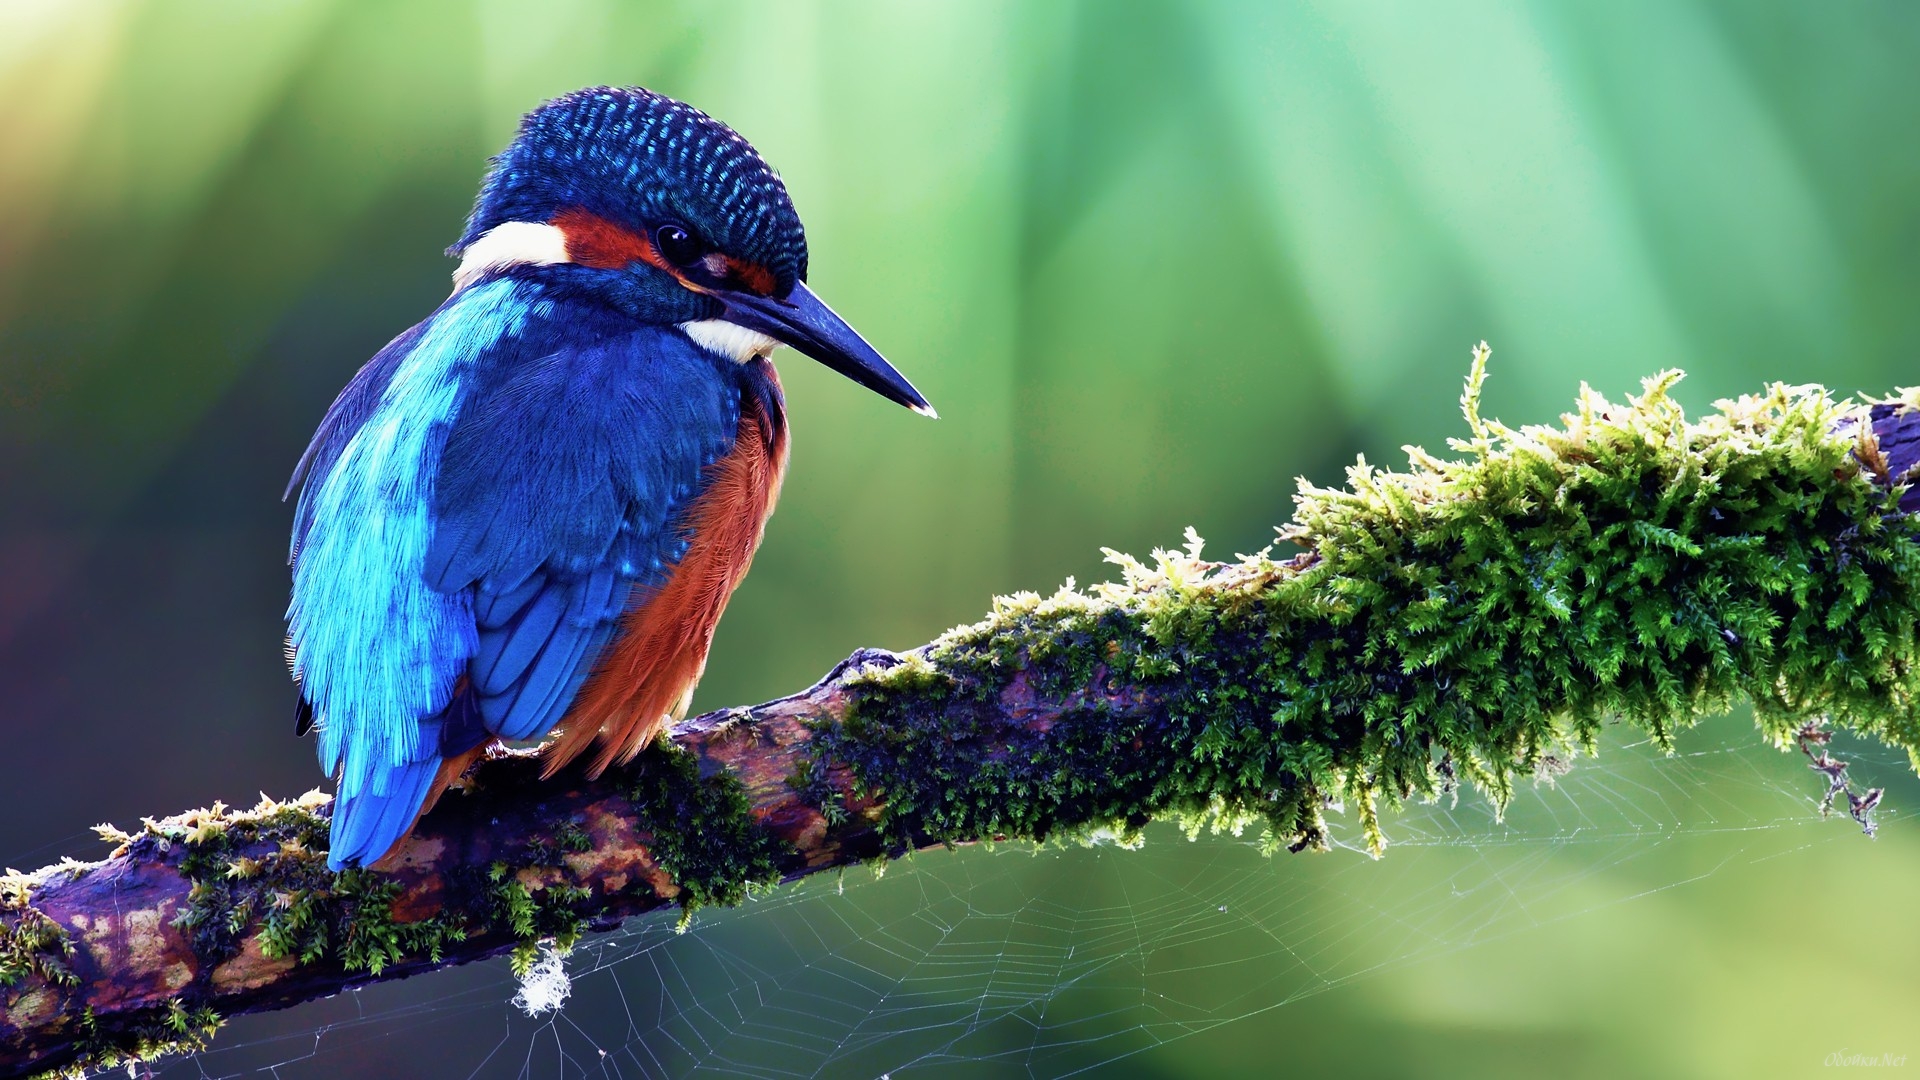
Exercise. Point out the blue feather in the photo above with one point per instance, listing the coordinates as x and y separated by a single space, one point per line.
482 502
377 652
505 654
533 703
367 824
555 498
550 682
623 151
492 610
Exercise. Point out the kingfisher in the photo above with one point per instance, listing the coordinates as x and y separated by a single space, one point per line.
524 516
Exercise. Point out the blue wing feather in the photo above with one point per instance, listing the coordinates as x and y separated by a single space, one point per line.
367 822
378 652
492 610
477 508
506 652
555 499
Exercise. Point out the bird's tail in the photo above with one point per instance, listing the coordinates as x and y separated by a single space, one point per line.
373 814
369 821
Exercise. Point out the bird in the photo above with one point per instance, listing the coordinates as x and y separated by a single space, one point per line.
523 517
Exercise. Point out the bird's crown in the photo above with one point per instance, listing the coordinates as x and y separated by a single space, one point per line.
635 158
662 213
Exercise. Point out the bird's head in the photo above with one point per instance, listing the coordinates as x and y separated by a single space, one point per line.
665 213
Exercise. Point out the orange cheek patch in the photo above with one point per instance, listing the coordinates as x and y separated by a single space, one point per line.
755 277
594 241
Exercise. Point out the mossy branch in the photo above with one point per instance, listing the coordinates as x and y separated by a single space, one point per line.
1478 617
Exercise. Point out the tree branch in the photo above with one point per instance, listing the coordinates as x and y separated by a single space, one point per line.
1475 617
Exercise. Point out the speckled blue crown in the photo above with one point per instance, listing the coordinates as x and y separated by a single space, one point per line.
638 158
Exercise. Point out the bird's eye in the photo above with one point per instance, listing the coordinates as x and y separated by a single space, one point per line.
677 245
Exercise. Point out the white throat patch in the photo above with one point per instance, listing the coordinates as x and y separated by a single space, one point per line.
512 243
731 340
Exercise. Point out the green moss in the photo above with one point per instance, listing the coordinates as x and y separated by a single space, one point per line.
813 784
173 1027
359 924
534 913
264 871
568 837
1477 617
701 830
31 945
268 866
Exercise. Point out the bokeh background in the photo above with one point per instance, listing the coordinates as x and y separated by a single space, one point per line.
1151 261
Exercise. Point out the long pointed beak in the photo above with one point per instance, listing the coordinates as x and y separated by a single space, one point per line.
805 322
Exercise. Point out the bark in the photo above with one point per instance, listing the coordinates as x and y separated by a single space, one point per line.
133 959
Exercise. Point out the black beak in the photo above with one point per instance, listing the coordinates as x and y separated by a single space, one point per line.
805 322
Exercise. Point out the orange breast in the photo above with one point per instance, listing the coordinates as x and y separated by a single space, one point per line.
646 676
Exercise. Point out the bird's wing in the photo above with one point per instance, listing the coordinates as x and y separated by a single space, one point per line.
557 496
348 413
476 509
378 652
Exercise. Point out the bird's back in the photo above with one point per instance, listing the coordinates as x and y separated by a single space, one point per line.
521 491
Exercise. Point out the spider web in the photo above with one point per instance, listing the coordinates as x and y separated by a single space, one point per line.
1054 961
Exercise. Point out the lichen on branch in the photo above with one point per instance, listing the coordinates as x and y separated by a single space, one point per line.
1474 617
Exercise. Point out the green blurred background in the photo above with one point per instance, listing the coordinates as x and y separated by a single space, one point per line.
1151 261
